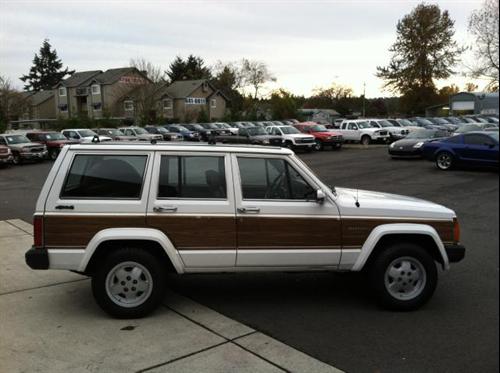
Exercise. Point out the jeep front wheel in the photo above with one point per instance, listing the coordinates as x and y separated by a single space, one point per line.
130 284
404 277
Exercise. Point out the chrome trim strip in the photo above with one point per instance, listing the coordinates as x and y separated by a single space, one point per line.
286 216
289 248
358 217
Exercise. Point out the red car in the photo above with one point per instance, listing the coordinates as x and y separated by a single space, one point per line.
322 135
54 141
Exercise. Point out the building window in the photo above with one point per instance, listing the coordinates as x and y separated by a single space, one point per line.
97 106
213 103
128 105
96 89
167 104
195 101
63 107
62 91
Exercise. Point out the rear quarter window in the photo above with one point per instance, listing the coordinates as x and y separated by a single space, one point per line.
105 176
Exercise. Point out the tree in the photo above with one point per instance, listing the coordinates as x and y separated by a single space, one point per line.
471 87
424 51
283 104
190 69
12 103
47 70
483 25
154 73
228 78
256 74
336 96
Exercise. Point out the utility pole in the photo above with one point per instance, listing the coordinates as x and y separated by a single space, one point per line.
364 94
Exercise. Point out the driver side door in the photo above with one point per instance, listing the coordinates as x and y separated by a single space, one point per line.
278 220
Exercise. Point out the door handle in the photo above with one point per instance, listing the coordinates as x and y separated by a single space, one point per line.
249 210
65 207
165 209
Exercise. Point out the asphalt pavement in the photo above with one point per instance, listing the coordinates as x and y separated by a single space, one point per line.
332 317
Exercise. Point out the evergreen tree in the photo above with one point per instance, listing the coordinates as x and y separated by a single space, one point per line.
424 50
46 71
190 69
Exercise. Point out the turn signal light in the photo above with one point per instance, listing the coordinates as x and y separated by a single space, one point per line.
38 231
456 230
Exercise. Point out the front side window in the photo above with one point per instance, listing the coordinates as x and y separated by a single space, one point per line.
476 139
105 176
352 126
192 177
269 178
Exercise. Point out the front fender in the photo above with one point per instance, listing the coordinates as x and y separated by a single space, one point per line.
398 228
145 234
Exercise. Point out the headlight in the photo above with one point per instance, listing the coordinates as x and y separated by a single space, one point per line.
418 145
392 145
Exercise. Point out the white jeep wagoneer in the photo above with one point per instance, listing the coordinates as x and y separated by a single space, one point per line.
127 214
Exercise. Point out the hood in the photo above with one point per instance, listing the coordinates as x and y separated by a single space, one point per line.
389 205
27 145
408 142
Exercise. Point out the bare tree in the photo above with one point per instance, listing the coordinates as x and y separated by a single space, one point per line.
154 73
12 102
483 25
256 74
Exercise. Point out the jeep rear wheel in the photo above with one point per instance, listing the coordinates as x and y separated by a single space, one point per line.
130 284
366 140
403 276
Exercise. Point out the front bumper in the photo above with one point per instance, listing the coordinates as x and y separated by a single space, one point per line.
7 159
38 155
37 258
455 252
405 152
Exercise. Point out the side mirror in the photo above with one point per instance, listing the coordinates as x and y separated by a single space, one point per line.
320 196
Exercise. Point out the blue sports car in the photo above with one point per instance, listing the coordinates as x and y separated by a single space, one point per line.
467 149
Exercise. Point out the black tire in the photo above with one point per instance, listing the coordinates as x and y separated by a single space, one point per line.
156 272
366 140
16 159
288 144
53 154
419 260
337 146
445 161
319 145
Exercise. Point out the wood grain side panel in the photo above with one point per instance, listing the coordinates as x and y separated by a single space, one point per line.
356 231
197 232
78 230
262 232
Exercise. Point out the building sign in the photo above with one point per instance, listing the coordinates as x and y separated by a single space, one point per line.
132 80
195 101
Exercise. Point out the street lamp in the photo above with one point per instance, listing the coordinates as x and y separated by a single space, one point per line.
364 97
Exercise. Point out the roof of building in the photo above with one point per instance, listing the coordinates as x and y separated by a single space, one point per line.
79 78
314 111
112 75
41 96
478 94
183 88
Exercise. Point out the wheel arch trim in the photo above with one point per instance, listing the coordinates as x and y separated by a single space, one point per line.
398 229
131 234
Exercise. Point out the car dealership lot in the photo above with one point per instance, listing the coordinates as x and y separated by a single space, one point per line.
331 317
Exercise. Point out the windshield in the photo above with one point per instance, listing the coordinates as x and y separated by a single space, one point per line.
421 134
318 128
140 131
197 127
16 139
405 122
364 125
384 123
113 132
87 133
256 131
161 130
288 130
423 121
54 136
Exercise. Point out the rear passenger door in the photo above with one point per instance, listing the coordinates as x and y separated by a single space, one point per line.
100 190
279 221
192 202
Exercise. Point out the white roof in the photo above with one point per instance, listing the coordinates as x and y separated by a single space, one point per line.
181 147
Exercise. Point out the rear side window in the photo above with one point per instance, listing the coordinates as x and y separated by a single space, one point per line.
476 139
270 178
105 176
192 177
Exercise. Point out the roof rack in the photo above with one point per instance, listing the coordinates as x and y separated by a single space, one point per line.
175 143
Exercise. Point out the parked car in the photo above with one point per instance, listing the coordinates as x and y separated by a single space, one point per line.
411 145
209 208
53 141
358 130
322 135
426 123
83 135
468 128
467 149
5 155
186 134
251 135
409 125
115 134
140 134
292 137
213 130
205 133
23 149
167 135
395 132
222 128
228 127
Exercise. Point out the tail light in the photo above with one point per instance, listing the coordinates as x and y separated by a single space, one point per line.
38 231
456 230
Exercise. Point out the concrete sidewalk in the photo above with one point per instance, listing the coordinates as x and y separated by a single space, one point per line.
50 322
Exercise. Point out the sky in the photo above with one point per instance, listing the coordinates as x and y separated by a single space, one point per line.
306 44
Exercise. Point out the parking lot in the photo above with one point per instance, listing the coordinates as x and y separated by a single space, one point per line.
331 317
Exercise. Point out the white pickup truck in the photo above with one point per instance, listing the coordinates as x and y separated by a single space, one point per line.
358 130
